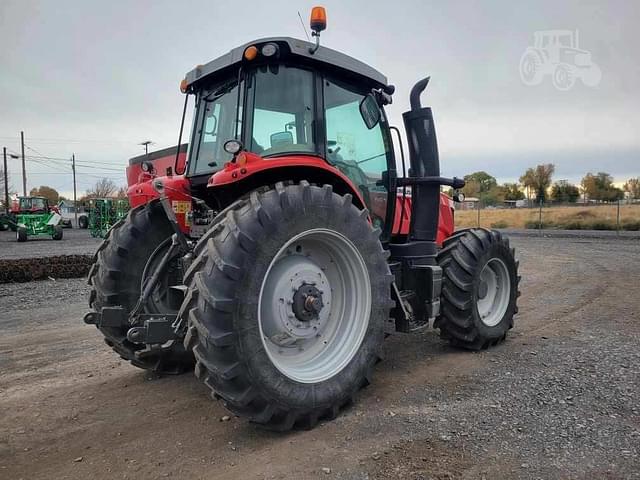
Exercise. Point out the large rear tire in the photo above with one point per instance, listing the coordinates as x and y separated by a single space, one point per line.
116 278
286 305
480 288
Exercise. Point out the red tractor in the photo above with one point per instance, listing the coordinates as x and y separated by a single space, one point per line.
290 246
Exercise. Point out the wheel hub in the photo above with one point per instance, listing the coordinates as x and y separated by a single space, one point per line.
307 302
298 287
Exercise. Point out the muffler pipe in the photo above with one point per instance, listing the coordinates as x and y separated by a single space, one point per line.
424 162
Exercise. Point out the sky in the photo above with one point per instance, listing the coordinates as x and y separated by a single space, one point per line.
95 78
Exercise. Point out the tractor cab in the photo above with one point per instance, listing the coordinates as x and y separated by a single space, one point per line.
273 109
31 205
35 217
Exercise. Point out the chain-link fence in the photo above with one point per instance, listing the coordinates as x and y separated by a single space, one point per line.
623 215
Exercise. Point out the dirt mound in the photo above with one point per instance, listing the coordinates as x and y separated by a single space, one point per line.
60 266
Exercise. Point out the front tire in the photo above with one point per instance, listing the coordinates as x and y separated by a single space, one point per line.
57 232
116 277
261 292
479 290
83 222
564 77
21 234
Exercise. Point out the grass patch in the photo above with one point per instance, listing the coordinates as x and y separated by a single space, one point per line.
631 225
535 225
500 224
595 217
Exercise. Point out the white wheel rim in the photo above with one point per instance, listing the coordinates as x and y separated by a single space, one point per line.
312 350
493 292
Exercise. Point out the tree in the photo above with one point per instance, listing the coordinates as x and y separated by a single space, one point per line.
600 187
485 181
527 180
563 191
512 191
537 180
483 186
122 192
103 188
494 196
49 193
632 186
471 188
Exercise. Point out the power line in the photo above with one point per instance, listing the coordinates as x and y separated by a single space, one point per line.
94 174
63 140
98 169
67 161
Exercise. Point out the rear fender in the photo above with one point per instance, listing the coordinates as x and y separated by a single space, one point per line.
250 171
176 189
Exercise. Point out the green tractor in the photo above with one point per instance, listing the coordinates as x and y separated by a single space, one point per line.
103 214
35 217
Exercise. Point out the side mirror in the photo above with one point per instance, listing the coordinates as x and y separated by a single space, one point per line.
370 111
281 138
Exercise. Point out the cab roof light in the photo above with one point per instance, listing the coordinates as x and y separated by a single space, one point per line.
251 52
318 23
269 50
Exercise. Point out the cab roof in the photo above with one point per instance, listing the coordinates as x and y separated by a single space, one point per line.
323 57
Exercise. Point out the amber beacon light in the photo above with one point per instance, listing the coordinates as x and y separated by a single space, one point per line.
318 23
318 19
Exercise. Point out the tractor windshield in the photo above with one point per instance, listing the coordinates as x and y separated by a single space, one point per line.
215 123
32 204
283 111
24 204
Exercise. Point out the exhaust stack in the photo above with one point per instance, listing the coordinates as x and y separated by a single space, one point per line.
424 163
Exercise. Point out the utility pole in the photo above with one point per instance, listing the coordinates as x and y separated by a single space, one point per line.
6 177
75 200
24 170
6 181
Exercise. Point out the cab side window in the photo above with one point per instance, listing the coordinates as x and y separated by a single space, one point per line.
360 153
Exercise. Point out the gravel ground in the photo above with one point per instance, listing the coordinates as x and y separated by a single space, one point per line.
552 233
558 400
74 242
